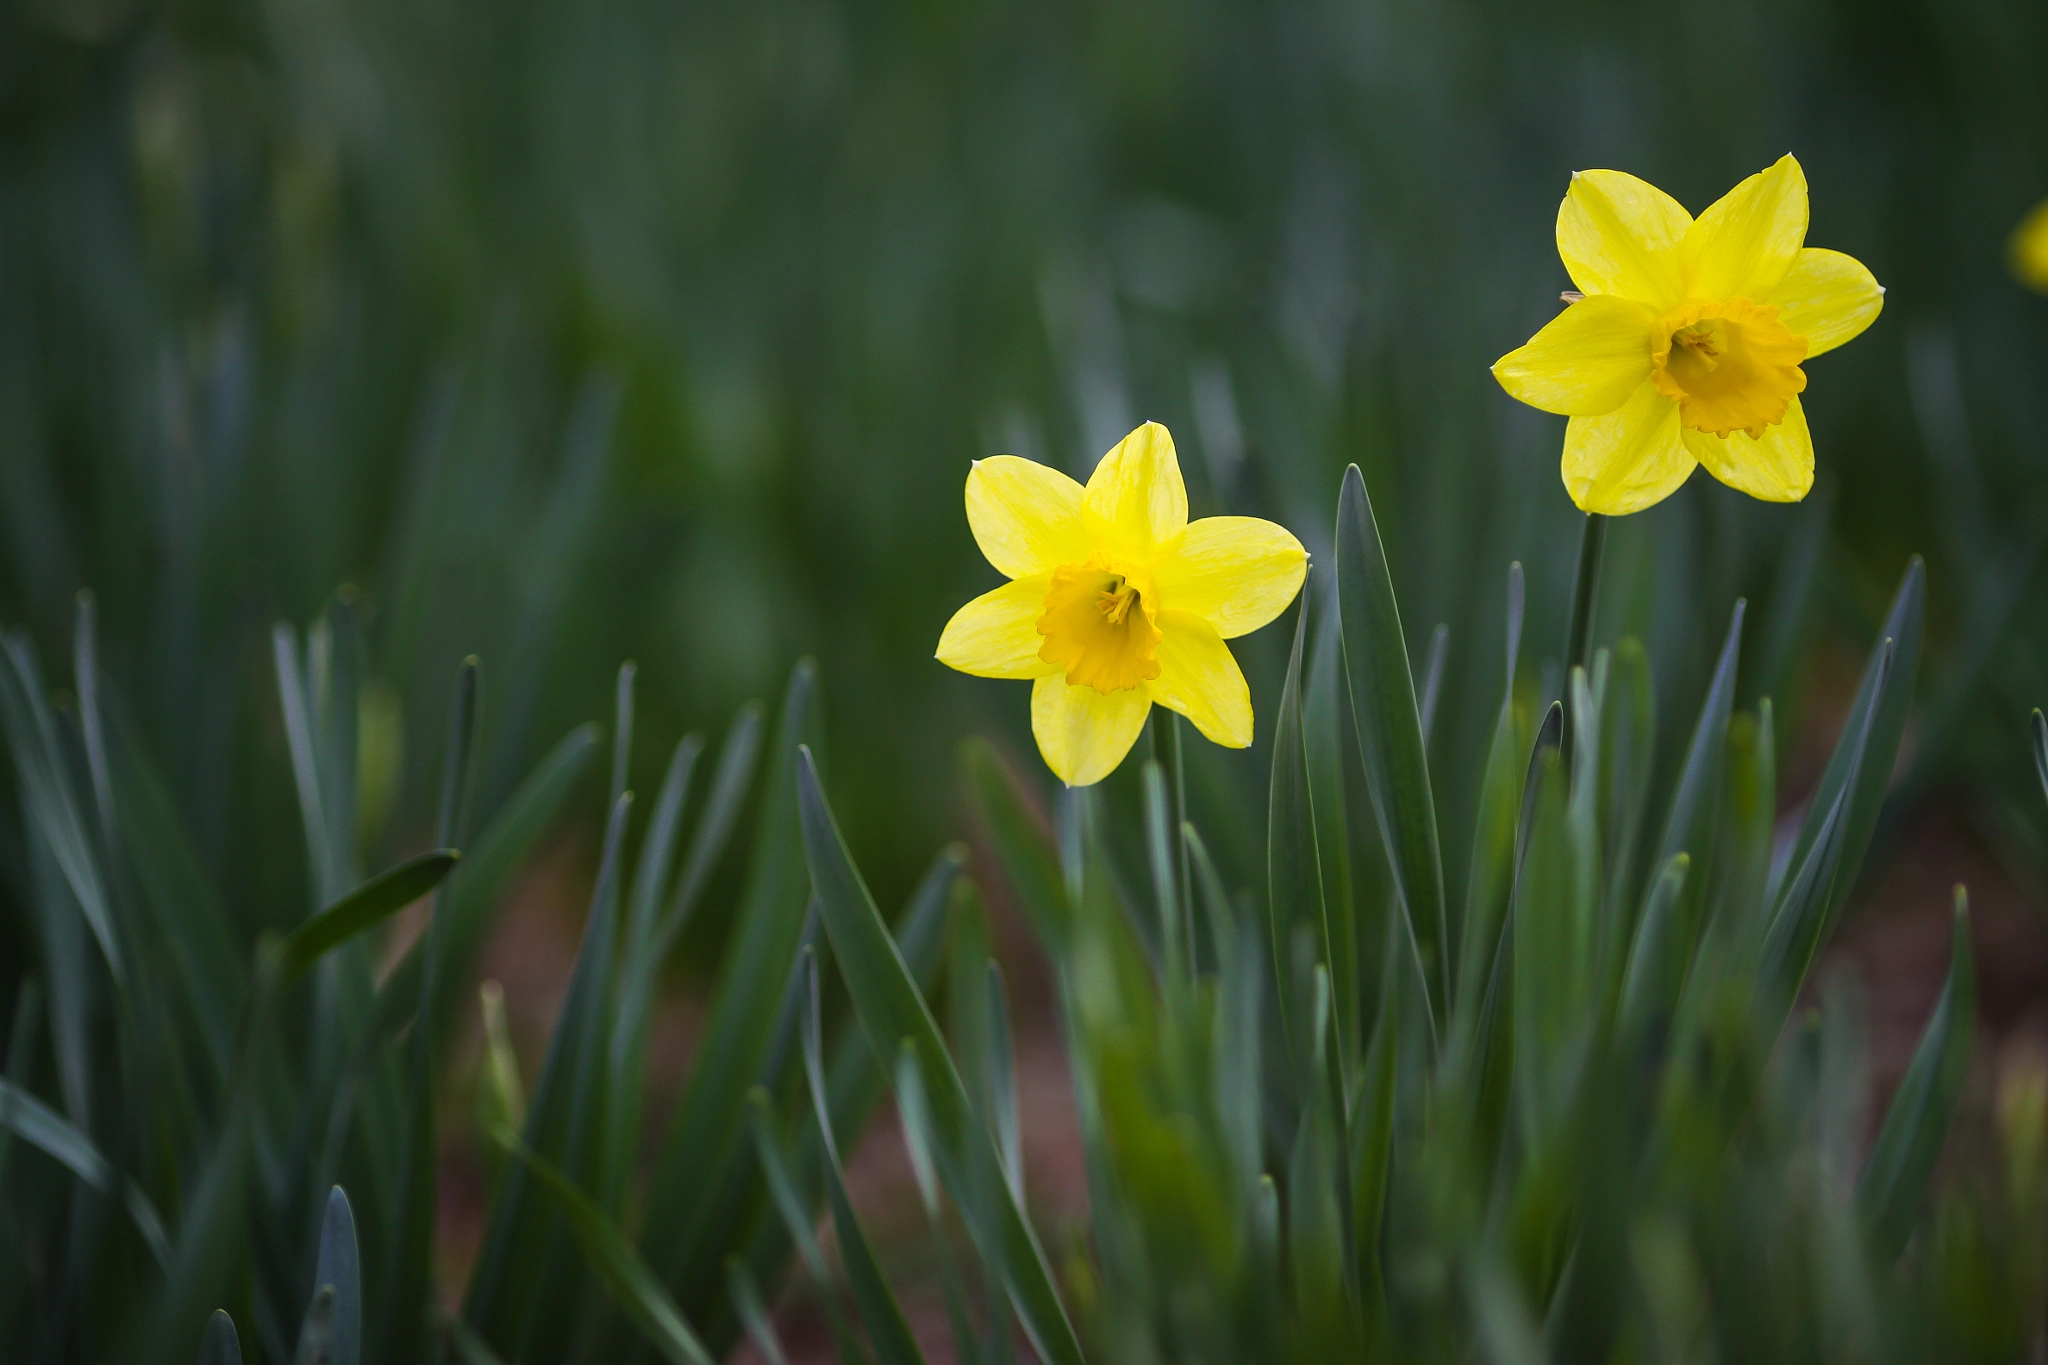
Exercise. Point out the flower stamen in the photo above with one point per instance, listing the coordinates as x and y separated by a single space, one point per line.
1729 364
1099 627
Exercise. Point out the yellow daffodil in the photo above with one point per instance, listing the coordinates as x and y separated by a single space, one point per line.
2030 248
1116 601
1685 346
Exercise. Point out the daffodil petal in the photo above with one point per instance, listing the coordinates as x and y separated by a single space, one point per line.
1199 678
1779 468
2029 248
1026 516
996 635
1135 498
1827 298
1083 734
1745 243
1628 459
1619 235
1587 360
1236 572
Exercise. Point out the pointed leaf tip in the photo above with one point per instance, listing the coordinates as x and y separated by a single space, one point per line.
339 1268
218 1344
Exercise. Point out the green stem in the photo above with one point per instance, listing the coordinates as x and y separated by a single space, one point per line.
1578 639
1180 843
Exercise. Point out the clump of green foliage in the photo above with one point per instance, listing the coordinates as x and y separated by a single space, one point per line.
1578 1113
208 1102
1568 1108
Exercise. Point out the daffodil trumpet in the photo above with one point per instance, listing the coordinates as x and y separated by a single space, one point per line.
1685 341
1116 601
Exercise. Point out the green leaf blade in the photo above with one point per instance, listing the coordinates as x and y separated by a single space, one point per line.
891 1009
1916 1126
1389 725
365 908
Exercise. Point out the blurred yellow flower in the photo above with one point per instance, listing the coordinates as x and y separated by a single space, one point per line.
1685 346
2029 248
1116 601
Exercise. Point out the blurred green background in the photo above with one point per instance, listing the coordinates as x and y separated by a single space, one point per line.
567 333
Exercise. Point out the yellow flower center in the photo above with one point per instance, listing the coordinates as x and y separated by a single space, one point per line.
1099 628
1729 364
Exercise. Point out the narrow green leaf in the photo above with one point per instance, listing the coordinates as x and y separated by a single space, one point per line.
917 1129
1800 918
856 1084
799 1221
336 702
1294 877
729 786
1315 1249
188 920
1916 1126
473 887
408 1286
2040 730
299 740
1628 752
21 1053
48 797
1748 832
1351 894
564 1124
888 1330
1492 874
1433 677
702 1180
1656 969
890 1009
1552 968
657 861
631 1283
316 1330
1884 696
43 1128
622 730
210 1255
219 1345
1691 823
1001 1066
1216 909
640 970
505 1092
1495 1045
339 1269
92 729
1390 731
746 1297
365 908
1160 848
1372 1144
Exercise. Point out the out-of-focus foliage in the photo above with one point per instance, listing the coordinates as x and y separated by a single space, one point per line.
664 331
181 1110
566 333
